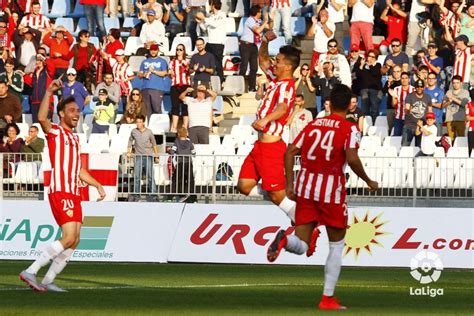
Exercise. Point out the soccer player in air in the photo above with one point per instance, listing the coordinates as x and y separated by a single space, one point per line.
325 145
266 160
64 196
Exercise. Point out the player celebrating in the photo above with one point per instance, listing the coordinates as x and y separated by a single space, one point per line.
325 145
265 161
64 197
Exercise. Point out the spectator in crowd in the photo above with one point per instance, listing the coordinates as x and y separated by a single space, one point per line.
437 96
35 19
192 8
143 142
30 68
113 6
392 82
354 60
304 86
13 78
470 124
135 108
281 13
249 42
462 60
428 134
420 70
323 31
112 88
455 102
82 53
154 72
183 175
104 112
26 41
215 24
311 8
11 143
5 36
370 84
4 55
327 81
150 5
10 108
341 66
336 16
467 21
414 29
200 113
355 114
153 31
247 3
399 95
94 11
362 22
173 19
433 61
113 44
33 145
202 65
450 17
396 57
72 87
298 118
123 74
396 25
417 104
326 109
59 40
180 81
40 80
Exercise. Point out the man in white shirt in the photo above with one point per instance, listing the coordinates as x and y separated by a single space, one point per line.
336 16
215 26
362 22
342 70
153 31
323 31
428 134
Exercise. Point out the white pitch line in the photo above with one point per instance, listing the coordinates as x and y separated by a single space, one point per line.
206 286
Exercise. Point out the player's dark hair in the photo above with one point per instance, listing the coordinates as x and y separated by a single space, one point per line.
456 77
140 117
340 97
292 54
62 104
254 10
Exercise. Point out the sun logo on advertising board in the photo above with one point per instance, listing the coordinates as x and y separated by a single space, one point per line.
363 234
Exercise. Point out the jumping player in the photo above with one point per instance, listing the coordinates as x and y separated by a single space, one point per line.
325 145
266 160
64 196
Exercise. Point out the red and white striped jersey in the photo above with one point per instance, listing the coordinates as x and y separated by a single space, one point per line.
322 144
278 4
470 112
278 91
122 75
65 156
462 64
452 20
401 96
36 22
180 69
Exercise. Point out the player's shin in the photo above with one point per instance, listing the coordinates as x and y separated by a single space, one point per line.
51 252
332 269
295 245
288 206
58 265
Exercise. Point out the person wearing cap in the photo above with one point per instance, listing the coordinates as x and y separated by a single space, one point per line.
26 41
428 135
112 88
433 61
417 104
123 73
74 88
354 60
323 31
104 112
396 57
59 47
326 82
153 30
154 75
396 24
455 102
113 44
437 96
144 8
462 60
40 79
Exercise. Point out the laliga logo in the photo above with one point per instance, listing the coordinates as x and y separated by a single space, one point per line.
426 267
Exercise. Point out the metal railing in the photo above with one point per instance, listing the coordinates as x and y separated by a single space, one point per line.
214 178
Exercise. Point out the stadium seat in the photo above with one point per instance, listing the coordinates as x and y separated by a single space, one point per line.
27 118
184 40
439 152
216 83
68 23
298 26
60 8
367 124
111 23
231 46
274 46
205 149
125 130
159 123
81 25
230 26
214 140
460 142
407 151
370 142
118 144
247 119
87 125
98 143
381 121
113 130
233 85
44 7
395 141
425 167
82 139
24 127
94 40
230 141
78 11
135 62
132 44
128 23
240 29
458 152
464 174
161 172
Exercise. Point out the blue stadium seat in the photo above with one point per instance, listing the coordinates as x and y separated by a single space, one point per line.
298 26
274 46
59 9
95 40
81 25
68 23
78 11
111 23
25 104
129 23
44 7
231 46
240 29
218 105
166 104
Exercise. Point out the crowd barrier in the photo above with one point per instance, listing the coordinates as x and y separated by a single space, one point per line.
217 233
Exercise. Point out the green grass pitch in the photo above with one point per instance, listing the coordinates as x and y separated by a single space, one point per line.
205 289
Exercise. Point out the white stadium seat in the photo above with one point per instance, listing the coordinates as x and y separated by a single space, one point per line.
159 123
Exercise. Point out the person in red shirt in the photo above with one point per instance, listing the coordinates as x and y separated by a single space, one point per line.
470 124
59 48
113 44
396 25
325 145
83 53
265 161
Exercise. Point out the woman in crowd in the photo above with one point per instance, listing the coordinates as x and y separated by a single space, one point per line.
135 107
82 54
370 84
180 81
11 144
113 44
305 87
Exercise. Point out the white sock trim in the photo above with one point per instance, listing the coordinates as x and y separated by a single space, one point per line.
288 206
295 245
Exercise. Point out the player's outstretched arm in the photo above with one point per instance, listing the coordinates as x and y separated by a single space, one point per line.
85 176
356 165
290 154
44 106
263 57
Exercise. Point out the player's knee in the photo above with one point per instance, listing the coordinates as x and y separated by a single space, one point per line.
244 189
68 241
